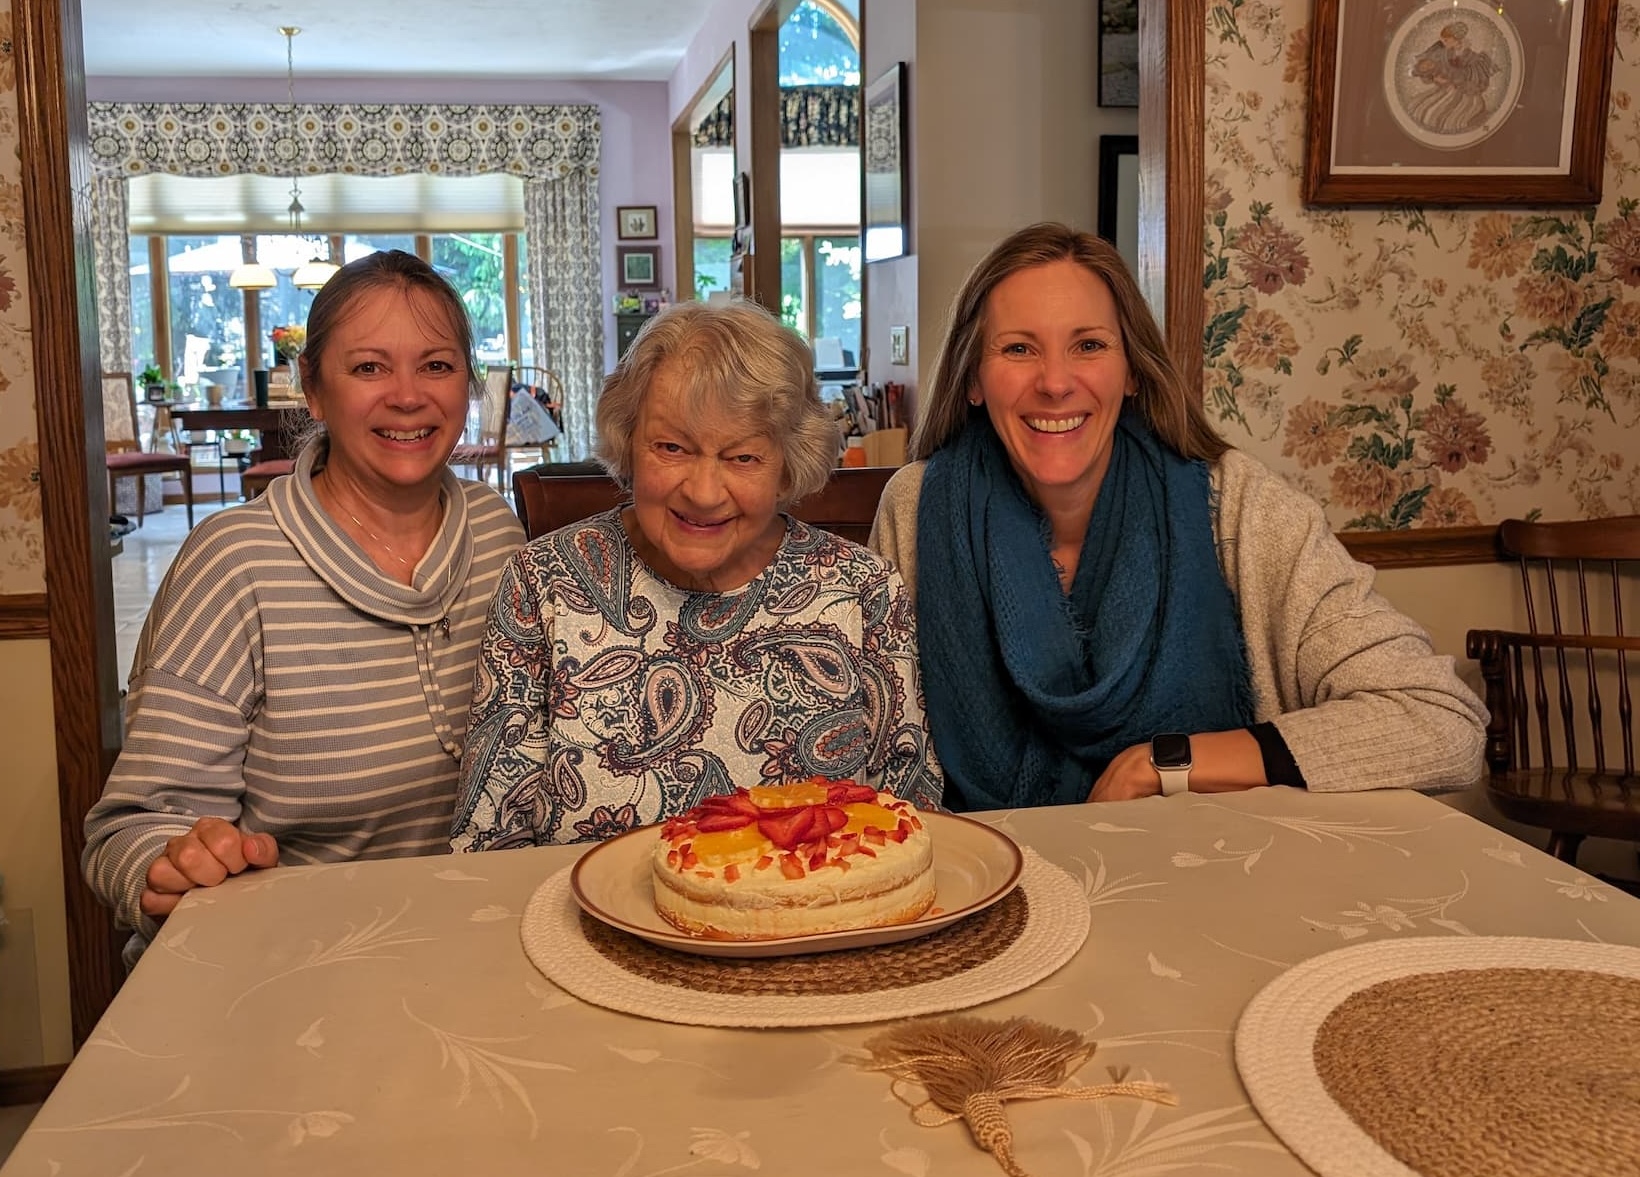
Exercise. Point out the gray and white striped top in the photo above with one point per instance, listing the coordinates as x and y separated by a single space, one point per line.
284 684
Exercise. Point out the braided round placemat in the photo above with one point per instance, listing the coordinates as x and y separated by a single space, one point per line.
1006 947
1452 1057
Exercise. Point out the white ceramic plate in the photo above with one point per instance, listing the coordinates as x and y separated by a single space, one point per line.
974 866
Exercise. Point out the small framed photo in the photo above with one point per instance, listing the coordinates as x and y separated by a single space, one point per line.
652 305
884 201
1458 102
1118 52
635 222
640 265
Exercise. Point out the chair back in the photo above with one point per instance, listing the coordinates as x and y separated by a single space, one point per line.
492 412
555 495
1560 691
119 412
545 378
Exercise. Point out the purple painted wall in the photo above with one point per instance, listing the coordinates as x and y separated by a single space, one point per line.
636 164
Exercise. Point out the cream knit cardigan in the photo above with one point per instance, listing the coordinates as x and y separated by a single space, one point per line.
1353 685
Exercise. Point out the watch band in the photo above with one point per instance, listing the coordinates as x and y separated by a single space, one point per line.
1174 780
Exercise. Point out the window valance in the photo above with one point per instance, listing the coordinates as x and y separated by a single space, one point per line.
810 116
368 139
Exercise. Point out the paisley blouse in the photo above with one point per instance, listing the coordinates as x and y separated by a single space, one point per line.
607 698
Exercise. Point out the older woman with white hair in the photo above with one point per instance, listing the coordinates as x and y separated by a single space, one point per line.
696 638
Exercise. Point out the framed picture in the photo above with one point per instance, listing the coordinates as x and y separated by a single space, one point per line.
635 222
1118 52
1119 195
1453 102
883 202
640 265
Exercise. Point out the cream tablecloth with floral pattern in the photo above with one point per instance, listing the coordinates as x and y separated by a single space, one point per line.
382 1017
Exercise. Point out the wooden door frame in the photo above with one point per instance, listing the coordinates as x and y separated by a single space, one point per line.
54 145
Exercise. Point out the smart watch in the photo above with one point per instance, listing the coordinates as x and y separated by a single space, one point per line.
1170 757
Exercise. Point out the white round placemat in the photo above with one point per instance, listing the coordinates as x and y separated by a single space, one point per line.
1276 1036
1054 928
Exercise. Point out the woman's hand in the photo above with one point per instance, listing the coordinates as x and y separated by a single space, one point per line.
203 857
1127 776
1224 762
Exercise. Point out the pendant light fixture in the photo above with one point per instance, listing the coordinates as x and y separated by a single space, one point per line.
310 275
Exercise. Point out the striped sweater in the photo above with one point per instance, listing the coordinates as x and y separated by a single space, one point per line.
284 684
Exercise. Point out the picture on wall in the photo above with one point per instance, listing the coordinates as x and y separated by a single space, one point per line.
1118 52
640 265
1119 195
883 166
635 222
1455 102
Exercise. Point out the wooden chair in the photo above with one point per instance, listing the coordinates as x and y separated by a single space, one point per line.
489 447
261 472
1557 759
126 458
547 380
555 495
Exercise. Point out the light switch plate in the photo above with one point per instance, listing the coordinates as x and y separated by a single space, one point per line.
899 345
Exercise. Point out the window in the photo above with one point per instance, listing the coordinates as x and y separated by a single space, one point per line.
711 265
142 309
473 264
207 318
836 267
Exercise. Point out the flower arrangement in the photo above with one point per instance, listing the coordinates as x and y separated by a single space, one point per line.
289 340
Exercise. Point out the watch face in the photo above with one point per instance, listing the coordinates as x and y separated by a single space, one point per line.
1170 750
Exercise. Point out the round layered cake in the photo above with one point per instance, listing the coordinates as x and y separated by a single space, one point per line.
792 860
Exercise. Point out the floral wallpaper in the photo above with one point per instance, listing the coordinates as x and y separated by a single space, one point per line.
22 541
1415 367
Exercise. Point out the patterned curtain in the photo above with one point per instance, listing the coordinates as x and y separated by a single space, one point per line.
554 148
111 252
566 296
810 116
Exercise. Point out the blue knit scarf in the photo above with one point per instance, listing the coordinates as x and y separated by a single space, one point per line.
1031 691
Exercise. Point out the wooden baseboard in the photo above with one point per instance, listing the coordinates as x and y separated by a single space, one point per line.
21 1085
23 615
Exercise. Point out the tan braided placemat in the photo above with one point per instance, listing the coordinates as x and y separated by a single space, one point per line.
1001 950
1452 1057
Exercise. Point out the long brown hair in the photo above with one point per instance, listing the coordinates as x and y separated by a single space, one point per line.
388 268
1159 394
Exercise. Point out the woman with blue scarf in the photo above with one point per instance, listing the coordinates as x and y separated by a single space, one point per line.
1114 603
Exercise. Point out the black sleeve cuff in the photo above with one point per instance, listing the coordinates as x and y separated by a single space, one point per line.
1279 766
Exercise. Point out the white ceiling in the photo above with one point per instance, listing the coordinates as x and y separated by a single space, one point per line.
611 40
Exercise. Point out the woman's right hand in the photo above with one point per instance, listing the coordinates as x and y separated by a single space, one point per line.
203 857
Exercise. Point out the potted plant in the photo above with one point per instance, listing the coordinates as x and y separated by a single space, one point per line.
153 384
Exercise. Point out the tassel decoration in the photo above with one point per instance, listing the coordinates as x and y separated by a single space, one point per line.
970 1067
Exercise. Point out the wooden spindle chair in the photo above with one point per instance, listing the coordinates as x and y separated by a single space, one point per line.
1560 746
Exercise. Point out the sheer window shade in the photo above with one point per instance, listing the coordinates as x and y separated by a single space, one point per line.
333 204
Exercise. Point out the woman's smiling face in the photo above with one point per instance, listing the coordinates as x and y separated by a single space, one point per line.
1052 376
705 492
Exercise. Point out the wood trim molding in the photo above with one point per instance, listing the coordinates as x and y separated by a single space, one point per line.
1172 97
24 615
24 1085
763 94
1425 548
52 136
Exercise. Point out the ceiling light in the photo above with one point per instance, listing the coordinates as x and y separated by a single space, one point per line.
252 276
314 274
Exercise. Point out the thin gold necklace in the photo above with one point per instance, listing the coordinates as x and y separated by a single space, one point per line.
376 538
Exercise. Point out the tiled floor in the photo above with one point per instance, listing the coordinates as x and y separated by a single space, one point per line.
138 569
13 1122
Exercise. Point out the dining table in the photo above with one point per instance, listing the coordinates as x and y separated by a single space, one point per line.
393 1016
279 426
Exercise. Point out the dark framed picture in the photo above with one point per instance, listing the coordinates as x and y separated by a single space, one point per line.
640 265
743 200
1458 102
883 202
1119 195
1118 52
636 222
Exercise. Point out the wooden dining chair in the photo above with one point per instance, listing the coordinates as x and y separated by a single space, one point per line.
547 381
1560 745
486 446
125 456
551 496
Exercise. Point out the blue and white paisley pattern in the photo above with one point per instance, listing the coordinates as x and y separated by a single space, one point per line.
607 698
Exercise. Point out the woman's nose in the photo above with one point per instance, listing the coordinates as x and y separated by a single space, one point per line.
1053 375
704 482
404 390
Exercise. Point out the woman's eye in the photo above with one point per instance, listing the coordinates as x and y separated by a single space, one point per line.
1091 345
669 447
746 459
441 366
367 368
1013 349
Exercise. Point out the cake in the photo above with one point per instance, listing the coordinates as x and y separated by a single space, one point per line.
774 861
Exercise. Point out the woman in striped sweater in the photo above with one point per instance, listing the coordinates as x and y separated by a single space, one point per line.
301 687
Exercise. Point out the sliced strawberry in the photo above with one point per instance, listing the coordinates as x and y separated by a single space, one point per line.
817 860
791 866
672 859
868 851
835 818
765 862
740 801
713 823
898 834
689 859
731 873
848 793
874 836
789 828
